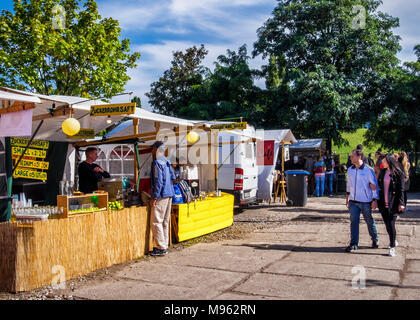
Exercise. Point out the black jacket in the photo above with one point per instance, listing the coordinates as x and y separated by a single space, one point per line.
395 192
88 178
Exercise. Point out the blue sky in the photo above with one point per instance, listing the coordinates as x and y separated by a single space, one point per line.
156 28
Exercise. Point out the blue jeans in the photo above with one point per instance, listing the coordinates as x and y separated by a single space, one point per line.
329 181
320 182
355 209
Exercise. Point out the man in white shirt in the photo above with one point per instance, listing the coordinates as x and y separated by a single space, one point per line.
362 195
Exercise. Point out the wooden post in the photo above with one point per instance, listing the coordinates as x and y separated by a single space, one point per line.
136 169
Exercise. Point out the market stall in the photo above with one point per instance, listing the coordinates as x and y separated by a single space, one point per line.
209 210
62 234
270 161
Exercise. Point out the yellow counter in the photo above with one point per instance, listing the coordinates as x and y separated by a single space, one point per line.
202 217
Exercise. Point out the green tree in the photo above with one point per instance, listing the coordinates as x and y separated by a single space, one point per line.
67 50
397 126
137 101
173 90
338 61
227 92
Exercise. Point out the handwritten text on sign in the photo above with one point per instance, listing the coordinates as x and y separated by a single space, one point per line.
34 164
229 126
29 174
112 109
22 142
83 134
29 152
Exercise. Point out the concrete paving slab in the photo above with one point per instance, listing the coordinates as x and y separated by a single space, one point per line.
413 265
408 294
131 290
244 256
139 290
321 252
364 239
283 236
413 254
182 276
327 271
411 280
238 296
297 288
296 228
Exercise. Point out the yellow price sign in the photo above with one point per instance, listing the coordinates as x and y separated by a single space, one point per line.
34 164
22 142
29 174
29 152
83 134
112 109
229 126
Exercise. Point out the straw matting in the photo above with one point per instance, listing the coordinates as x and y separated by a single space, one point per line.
78 245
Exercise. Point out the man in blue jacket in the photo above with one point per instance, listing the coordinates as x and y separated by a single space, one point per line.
362 195
162 191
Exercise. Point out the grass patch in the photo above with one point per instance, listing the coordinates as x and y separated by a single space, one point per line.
354 139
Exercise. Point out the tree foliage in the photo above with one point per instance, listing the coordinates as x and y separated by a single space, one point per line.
82 57
190 90
336 64
173 90
397 126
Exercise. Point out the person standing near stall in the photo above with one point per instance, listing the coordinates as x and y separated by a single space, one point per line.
162 191
90 173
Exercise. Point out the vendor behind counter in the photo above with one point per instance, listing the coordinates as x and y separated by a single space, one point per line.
90 173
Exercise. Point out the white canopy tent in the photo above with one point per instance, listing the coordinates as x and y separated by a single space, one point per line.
266 172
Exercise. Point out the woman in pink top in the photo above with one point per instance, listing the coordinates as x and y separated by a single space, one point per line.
391 196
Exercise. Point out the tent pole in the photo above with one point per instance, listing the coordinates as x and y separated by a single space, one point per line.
136 156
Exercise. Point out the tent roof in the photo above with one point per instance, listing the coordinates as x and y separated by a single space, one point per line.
51 128
283 135
13 96
307 144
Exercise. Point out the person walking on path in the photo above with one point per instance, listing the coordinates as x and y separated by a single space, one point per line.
329 172
362 195
319 168
391 197
162 191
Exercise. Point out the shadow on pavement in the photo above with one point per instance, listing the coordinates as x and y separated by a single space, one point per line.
295 248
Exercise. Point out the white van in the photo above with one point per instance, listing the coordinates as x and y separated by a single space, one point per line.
237 169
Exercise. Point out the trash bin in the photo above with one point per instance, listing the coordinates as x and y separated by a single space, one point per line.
341 183
297 187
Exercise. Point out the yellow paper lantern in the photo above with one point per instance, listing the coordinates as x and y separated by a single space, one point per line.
192 137
70 126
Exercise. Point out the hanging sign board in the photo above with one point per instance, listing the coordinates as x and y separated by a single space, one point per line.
112 109
83 134
16 156
29 174
286 153
229 126
32 161
22 142
3 177
43 165
29 152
